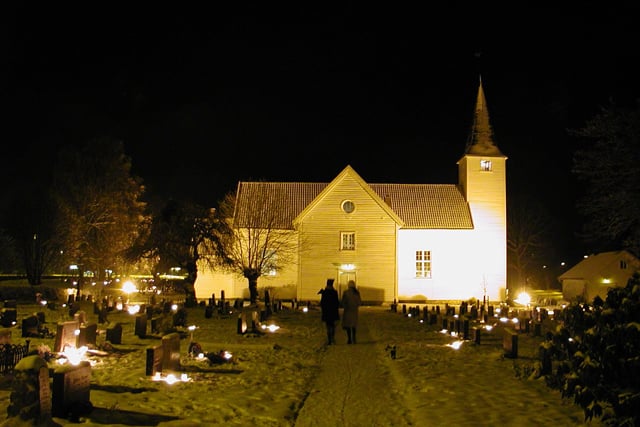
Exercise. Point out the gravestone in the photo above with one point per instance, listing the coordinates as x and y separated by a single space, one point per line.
156 321
114 334
465 329
103 314
80 316
242 324
87 335
208 312
30 326
141 325
30 398
44 391
476 335
71 389
66 335
41 317
154 360
171 352
8 317
510 343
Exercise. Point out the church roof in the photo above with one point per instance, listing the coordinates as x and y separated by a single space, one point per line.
420 206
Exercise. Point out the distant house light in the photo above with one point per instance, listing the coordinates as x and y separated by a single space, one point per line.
606 281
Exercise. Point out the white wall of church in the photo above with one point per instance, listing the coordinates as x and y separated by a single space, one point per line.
458 273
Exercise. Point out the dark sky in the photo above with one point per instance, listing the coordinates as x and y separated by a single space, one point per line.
203 98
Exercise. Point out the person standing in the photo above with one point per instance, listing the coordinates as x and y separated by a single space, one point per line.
330 304
351 301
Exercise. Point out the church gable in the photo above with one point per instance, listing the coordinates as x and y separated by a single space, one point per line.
347 189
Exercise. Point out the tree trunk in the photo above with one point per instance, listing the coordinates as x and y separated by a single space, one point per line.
253 290
190 299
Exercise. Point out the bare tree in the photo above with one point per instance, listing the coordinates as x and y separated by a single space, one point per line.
99 205
528 236
260 239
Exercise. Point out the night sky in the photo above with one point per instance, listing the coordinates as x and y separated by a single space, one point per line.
203 98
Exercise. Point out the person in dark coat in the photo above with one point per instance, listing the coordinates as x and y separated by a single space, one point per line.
330 303
351 301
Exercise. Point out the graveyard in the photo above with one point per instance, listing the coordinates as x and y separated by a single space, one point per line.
166 365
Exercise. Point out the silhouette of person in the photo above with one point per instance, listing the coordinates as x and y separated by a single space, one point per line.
329 304
351 301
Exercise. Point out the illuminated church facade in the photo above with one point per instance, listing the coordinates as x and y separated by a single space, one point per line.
399 242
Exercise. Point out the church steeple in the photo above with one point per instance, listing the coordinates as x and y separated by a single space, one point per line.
481 138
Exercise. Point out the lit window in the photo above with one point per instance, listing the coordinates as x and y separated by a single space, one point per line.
347 241
348 206
423 264
623 264
485 165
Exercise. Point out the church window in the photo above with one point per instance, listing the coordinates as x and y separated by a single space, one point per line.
423 264
347 241
485 165
348 206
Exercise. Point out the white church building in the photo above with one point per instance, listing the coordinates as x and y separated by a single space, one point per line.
399 242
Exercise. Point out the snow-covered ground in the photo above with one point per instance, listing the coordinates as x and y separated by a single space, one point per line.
289 377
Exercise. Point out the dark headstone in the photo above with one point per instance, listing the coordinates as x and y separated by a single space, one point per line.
71 389
465 329
545 360
171 352
87 336
102 314
8 317
114 334
156 321
154 360
66 335
141 325
476 335
510 343
30 326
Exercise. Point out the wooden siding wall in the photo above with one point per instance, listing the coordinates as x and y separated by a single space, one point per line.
375 254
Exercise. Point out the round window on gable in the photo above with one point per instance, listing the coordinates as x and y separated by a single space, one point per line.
348 206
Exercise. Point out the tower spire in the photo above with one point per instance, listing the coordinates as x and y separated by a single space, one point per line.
481 138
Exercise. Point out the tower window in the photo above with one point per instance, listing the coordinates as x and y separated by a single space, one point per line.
485 165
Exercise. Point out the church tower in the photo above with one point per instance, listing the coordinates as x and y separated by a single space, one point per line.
482 179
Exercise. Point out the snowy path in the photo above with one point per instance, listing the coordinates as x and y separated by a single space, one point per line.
355 386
